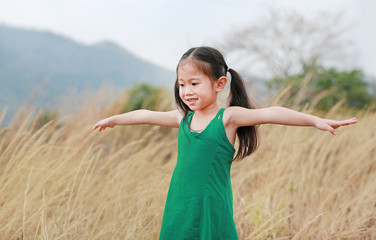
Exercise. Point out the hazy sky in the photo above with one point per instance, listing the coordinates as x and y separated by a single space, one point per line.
162 30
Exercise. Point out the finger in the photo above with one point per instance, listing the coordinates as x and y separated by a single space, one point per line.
95 127
331 130
352 120
329 127
346 122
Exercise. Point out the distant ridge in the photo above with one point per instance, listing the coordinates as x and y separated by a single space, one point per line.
30 59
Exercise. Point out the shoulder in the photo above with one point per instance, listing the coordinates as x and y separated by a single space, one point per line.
233 111
178 114
230 114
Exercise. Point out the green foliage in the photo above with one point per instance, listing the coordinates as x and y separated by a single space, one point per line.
345 84
333 85
44 117
145 96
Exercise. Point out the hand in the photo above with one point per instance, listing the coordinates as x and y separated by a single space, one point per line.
331 125
102 124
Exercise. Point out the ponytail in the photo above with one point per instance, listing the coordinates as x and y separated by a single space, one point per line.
248 136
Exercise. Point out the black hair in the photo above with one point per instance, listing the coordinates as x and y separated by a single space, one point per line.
211 62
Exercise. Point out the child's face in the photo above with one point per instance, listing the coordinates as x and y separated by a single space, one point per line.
196 89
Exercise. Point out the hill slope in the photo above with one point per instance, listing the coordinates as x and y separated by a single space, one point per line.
31 59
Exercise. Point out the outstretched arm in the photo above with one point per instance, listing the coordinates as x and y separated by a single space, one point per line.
279 115
168 119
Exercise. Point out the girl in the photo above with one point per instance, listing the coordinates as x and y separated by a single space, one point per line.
199 200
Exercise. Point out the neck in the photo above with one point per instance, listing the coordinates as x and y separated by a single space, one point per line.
209 110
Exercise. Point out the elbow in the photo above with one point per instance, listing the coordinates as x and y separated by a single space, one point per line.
143 116
272 114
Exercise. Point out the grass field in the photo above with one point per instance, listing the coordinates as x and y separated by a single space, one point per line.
64 181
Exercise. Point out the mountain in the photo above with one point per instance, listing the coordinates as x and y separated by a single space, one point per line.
32 60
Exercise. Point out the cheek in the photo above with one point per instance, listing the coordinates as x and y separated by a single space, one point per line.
180 93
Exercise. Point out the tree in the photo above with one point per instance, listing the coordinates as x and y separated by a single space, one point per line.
284 42
304 54
144 95
329 84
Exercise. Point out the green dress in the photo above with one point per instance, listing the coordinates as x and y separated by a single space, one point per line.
199 200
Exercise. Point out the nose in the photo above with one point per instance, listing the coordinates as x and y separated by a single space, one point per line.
188 91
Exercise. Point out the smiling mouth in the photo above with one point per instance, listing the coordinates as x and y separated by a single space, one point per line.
191 100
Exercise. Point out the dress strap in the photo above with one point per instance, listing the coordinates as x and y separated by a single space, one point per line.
190 114
220 113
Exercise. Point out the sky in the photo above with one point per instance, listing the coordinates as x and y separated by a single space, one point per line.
160 31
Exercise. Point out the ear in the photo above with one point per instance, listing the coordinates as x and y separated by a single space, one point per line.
220 84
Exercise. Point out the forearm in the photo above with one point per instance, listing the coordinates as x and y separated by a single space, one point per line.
130 118
167 119
285 116
241 117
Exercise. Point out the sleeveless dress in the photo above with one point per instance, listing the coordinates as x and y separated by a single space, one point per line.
199 200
